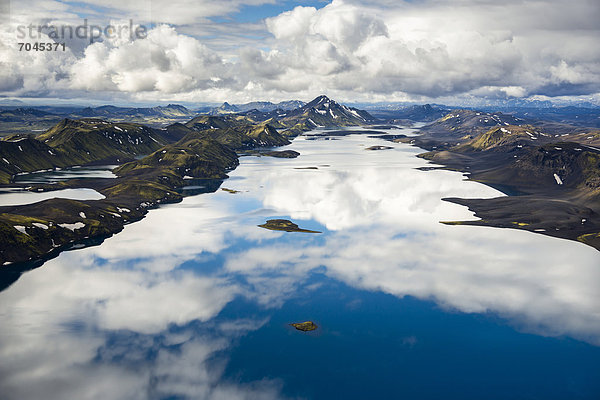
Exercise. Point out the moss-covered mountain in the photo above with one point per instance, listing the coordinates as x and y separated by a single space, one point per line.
463 125
193 158
204 122
562 167
90 140
42 229
34 230
236 131
19 154
241 137
31 231
321 112
557 177
500 138
224 108
174 132
171 111
71 143
527 158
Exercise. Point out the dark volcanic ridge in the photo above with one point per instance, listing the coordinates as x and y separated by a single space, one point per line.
554 171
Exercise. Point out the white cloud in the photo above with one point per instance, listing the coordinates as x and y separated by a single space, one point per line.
292 24
571 74
435 48
352 49
36 72
164 62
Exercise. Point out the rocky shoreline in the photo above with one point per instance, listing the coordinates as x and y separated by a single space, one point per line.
551 179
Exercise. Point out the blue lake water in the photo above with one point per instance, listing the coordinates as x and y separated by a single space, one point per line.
58 175
195 301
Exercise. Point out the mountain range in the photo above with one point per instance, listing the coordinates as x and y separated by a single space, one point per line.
421 113
554 167
94 140
169 111
262 106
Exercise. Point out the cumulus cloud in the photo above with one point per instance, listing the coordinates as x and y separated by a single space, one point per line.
350 49
164 61
442 48
34 72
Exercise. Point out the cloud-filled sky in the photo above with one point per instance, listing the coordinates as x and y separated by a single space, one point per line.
244 50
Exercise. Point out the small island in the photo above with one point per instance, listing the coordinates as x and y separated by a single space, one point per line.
305 326
284 225
282 154
379 148
232 191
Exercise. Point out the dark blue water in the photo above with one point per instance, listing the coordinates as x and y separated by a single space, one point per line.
373 345
196 301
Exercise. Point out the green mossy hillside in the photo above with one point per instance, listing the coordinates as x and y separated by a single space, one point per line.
90 140
196 158
503 136
239 137
71 143
205 122
35 230
19 154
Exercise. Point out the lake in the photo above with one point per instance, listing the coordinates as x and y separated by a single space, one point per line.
195 301
58 175
16 197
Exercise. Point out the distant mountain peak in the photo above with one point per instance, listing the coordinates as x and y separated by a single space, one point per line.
321 100
225 108
323 111
261 106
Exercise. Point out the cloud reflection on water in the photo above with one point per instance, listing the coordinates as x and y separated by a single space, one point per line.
60 322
